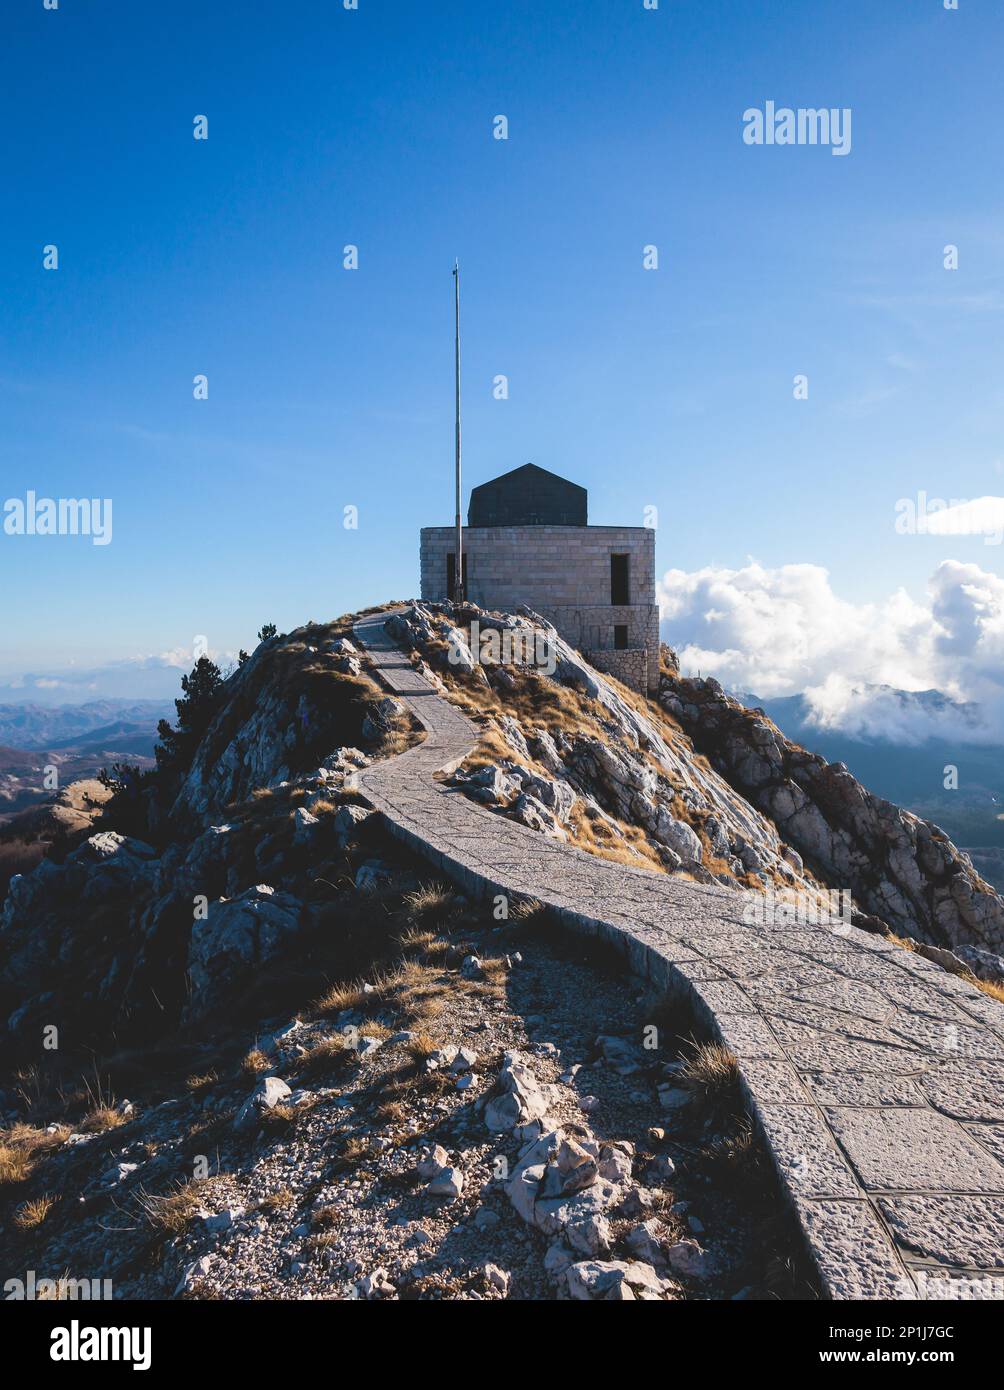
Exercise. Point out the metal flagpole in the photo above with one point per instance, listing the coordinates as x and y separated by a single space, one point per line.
458 571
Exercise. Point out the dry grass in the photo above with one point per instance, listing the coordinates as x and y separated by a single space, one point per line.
397 741
987 987
596 837
101 1119
254 1063
325 1217
712 1075
21 1146
735 1160
431 903
412 989
417 992
15 1165
534 701
199 1085
905 942
339 998
426 944
279 1119
390 1112
277 1201
325 1056
171 1213
355 1150
421 1047
30 1215
321 1241
537 702
526 910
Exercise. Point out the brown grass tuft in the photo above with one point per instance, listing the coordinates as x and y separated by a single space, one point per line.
254 1063
102 1118
432 902
198 1085
31 1214
712 1074
171 1213
326 1055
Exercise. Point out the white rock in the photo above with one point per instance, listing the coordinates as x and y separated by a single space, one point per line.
270 1092
599 1280
522 1099
463 1060
223 1220
305 825
193 1274
448 1182
646 1241
375 1285
688 1259
434 1162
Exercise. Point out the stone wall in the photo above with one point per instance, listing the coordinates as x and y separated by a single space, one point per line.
563 573
629 666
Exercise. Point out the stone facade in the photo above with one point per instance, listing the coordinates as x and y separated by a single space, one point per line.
630 667
567 574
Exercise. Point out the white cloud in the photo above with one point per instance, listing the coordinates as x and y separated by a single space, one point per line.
783 631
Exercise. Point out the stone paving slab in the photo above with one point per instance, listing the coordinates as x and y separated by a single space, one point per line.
956 1230
876 1078
854 1253
916 1150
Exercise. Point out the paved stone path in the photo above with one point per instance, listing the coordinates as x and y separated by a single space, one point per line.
876 1077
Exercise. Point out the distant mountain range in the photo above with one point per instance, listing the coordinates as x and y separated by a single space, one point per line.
78 740
124 725
907 763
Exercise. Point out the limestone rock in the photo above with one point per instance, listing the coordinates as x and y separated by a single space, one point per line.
521 1099
448 1182
237 937
270 1092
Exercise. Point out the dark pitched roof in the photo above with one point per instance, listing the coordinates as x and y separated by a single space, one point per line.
528 496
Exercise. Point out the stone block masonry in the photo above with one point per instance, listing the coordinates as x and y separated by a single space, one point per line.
875 1078
568 575
629 667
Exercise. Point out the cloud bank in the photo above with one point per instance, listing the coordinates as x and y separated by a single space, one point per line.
136 678
783 631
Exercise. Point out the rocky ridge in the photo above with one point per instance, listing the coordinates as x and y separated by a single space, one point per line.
901 869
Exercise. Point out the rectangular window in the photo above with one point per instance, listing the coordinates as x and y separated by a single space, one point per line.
620 586
451 569
620 636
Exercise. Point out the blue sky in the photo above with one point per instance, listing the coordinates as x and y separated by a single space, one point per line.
330 387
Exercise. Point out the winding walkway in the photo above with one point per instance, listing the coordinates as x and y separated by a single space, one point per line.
876 1077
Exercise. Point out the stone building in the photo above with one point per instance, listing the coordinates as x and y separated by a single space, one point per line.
528 541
